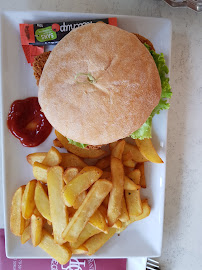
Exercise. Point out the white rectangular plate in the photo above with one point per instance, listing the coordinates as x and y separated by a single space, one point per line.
142 238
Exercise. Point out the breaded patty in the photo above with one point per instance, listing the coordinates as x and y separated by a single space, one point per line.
145 40
38 65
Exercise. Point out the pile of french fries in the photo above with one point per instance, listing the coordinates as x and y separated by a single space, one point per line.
73 208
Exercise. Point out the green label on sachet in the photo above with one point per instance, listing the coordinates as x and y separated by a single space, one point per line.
45 34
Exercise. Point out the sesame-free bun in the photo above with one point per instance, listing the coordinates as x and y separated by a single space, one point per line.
126 85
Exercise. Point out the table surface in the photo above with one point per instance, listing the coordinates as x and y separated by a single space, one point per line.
183 219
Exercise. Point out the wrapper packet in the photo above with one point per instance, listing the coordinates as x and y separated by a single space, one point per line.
51 264
35 36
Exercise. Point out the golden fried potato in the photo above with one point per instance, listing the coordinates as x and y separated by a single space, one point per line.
80 183
148 151
53 157
42 201
58 210
61 253
36 230
135 176
97 241
103 163
17 222
116 195
26 235
140 166
71 160
136 154
118 149
28 203
93 200
40 171
36 157
133 202
70 173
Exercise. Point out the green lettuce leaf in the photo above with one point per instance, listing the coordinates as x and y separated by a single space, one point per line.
145 131
81 145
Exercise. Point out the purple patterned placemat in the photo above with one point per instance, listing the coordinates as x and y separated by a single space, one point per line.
48 264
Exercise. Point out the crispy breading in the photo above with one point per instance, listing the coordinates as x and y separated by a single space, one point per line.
145 40
93 146
38 65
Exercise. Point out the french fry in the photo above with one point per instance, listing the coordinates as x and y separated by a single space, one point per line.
135 176
106 201
80 251
26 235
48 227
60 253
98 221
28 203
127 170
127 156
58 211
116 194
117 151
148 151
36 157
45 187
128 160
106 175
133 202
103 211
112 145
79 199
146 209
81 152
40 171
27 222
71 160
53 157
42 201
80 183
103 163
124 217
70 173
124 226
87 232
136 155
97 241
37 213
74 219
91 203
17 222
117 224
49 222
130 184
57 143
36 230
129 163
140 166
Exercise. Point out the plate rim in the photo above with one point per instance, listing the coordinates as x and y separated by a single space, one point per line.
3 125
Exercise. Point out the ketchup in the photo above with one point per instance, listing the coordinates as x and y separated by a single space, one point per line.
27 123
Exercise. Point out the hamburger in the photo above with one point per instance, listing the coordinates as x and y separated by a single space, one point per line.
101 84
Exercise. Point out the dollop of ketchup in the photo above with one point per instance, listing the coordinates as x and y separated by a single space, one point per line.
27 122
